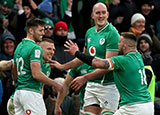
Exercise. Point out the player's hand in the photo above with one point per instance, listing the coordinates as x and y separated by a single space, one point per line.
53 63
72 47
57 111
78 82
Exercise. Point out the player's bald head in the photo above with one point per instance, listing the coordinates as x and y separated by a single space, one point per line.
99 5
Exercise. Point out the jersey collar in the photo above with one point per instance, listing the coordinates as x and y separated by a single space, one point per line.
29 40
103 28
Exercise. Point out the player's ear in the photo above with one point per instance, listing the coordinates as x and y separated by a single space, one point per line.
92 15
107 14
124 46
30 30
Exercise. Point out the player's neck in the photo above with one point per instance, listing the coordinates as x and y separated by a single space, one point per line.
129 50
30 37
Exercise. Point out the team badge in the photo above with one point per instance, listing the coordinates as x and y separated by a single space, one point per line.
92 51
83 71
48 73
37 53
101 41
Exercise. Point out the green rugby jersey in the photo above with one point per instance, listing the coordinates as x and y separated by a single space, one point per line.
45 69
26 52
97 43
79 71
130 78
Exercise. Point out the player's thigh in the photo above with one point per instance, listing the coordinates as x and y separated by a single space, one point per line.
18 108
138 109
107 96
90 98
34 104
28 103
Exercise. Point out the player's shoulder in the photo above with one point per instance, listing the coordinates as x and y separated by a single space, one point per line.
91 30
112 29
119 58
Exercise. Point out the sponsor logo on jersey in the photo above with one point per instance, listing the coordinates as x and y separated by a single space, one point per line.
92 50
37 53
101 41
28 112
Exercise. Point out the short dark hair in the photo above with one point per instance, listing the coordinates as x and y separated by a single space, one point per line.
129 35
35 22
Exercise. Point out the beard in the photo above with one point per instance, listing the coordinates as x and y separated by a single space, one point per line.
120 51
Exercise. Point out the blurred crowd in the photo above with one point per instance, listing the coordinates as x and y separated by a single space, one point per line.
69 20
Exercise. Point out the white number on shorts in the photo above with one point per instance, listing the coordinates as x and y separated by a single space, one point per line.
20 64
143 76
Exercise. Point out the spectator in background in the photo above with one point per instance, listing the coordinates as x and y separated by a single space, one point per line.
150 13
116 14
8 16
144 46
8 46
137 24
60 37
24 13
48 29
46 6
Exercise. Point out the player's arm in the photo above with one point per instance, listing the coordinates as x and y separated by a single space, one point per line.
95 61
14 71
63 94
40 76
103 65
71 64
5 65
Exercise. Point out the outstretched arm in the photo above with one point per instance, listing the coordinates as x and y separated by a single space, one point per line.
62 95
5 65
90 60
